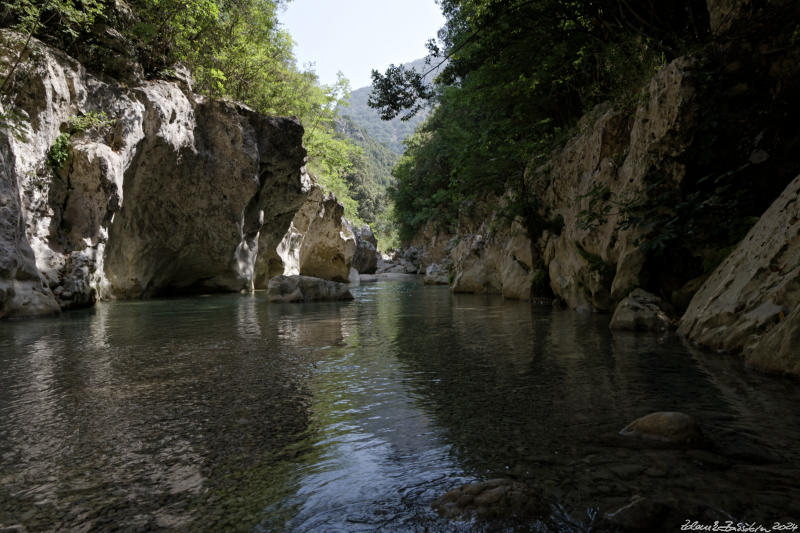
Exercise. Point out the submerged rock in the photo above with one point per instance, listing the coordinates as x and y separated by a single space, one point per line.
495 498
667 427
641 311
305 289
655 515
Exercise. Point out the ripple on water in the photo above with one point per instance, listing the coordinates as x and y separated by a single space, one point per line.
227 412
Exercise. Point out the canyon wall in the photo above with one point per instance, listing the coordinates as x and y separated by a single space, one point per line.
167 192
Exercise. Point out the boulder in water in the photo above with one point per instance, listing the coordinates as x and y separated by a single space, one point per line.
667 427
641 311
492 499
305 289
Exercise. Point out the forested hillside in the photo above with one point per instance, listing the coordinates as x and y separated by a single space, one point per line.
521 74
369 179
391 133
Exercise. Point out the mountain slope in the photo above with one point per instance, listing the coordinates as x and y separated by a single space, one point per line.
392 133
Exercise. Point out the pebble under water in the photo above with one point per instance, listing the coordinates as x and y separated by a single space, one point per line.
228 413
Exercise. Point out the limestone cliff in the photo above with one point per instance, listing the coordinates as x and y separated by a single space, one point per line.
320 242
751 302
655 193
174 193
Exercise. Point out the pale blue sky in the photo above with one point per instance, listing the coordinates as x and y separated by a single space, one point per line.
355 36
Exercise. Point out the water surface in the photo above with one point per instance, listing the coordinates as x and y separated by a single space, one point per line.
229 413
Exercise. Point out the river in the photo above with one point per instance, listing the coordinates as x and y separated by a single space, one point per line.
215 413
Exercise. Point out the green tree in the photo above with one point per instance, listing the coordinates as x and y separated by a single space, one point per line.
519 75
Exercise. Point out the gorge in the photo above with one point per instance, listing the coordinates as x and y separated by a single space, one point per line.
156 372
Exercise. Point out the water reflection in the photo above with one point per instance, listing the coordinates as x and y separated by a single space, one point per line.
227 412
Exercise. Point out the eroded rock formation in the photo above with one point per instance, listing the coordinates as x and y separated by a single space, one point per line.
751 302
174 193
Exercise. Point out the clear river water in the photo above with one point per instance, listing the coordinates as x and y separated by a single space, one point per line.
228 413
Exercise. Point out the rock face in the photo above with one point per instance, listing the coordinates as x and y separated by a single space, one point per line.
593 263
328 244
177 193
667 427
305 289
436 274
497 258
365 259
641 311
751 302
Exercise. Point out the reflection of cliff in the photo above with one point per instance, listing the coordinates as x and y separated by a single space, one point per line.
154 423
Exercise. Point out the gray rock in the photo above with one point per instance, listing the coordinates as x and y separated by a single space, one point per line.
365 258
751 302
641 311
436 274
329 244
180 193
305 289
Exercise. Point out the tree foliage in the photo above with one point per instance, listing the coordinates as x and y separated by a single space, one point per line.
234 49
519 75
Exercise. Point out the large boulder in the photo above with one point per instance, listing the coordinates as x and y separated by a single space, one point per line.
328 244
495 259
175 193
751 302
365 259
641 311
305 289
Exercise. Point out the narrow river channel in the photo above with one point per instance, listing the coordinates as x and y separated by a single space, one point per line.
229 413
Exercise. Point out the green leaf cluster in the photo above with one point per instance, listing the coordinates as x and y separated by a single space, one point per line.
58 153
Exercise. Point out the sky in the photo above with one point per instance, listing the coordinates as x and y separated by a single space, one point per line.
356 36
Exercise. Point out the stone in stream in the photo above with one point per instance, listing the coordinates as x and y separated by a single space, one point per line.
436 274
641 311
492 499
305 289
666 427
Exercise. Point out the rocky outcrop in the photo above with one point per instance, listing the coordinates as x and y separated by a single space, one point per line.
594 261
641 311
434 244
402 261
173 193
751 302
319 242
328 244
305 289
494 260
365 259
286 259
437 274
